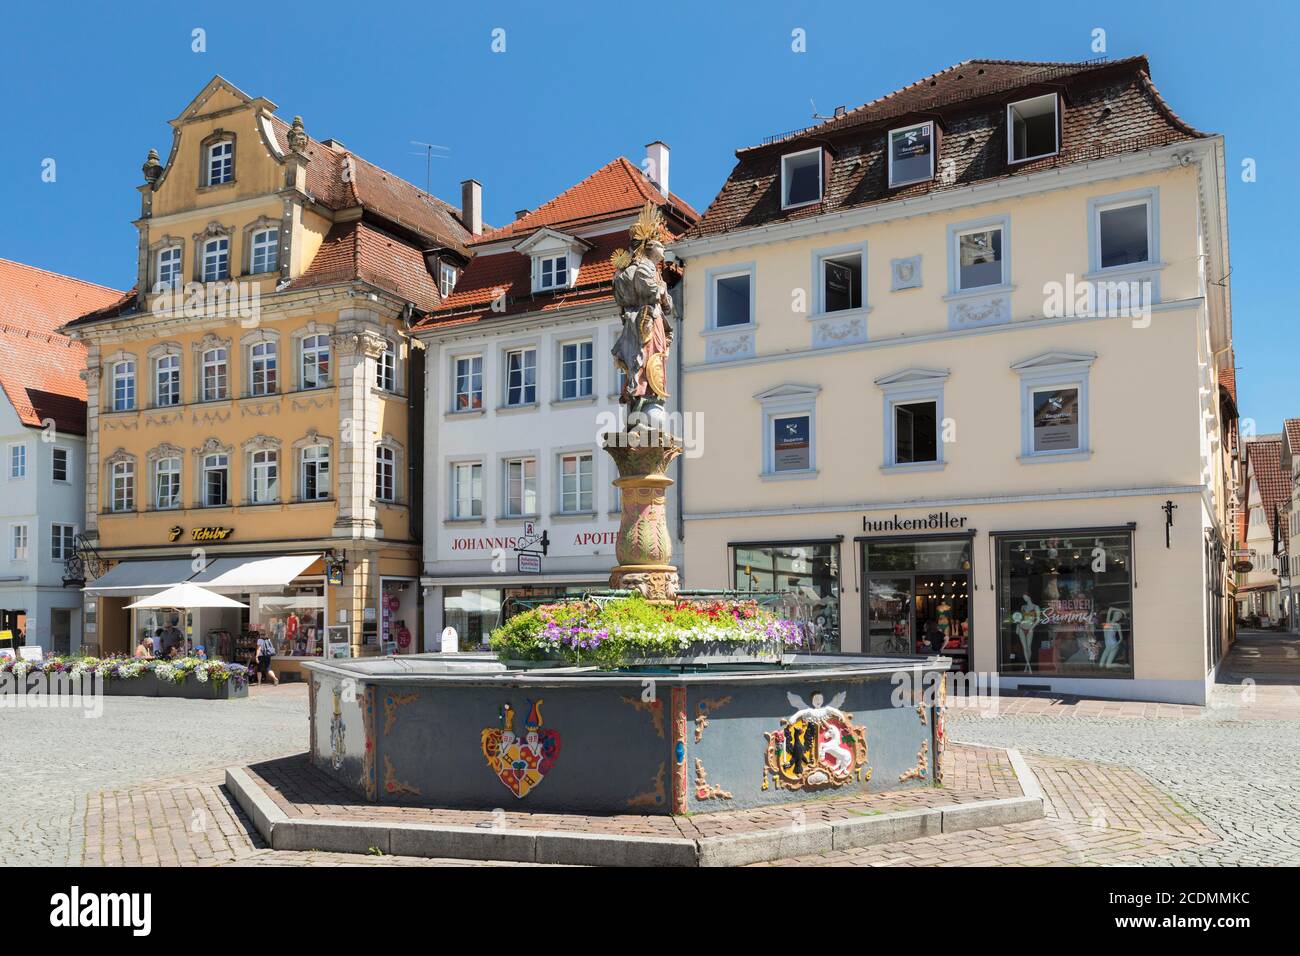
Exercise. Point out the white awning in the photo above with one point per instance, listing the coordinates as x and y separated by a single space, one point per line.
141 577
254 573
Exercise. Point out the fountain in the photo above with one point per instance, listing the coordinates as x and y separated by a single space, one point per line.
642 698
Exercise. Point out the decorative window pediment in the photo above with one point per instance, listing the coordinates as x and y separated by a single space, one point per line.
312 438
120 457
913 377
1056 361
210 341
260 443
164 450
213 446
788 392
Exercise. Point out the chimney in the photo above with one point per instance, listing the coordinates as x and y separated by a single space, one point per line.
520 213
471 206
656 166
334 144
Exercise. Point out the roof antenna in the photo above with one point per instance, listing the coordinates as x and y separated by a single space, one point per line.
839 111
428 161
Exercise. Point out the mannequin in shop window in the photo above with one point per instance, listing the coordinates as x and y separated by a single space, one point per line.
1026 619
1113 633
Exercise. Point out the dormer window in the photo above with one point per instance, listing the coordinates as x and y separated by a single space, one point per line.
446 279
1032 127
220 164
801 178
911 154
553 272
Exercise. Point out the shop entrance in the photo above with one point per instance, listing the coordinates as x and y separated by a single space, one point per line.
917 596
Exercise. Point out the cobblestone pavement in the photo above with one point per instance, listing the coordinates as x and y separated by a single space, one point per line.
1231 769
53 758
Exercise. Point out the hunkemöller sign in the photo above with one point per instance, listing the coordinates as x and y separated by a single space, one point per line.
935 521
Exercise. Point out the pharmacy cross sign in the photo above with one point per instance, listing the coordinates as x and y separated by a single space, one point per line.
531 547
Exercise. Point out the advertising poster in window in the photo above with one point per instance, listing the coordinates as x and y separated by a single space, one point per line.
839 286
1056 419
911 153
791 448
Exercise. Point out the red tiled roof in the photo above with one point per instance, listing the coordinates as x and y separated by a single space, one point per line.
377 190
1292 429
40 371
358 251
1228 380
612 192
1108 108
618 187
1264 460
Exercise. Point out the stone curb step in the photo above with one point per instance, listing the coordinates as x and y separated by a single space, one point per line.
598 849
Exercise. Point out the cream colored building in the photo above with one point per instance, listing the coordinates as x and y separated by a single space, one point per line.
959 356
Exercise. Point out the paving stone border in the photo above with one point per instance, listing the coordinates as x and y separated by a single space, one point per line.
283 832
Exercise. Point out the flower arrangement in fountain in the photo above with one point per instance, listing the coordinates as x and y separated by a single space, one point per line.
615 632
174 671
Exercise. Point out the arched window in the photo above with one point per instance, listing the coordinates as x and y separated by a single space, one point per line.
263 367
216 259
315 361
386 368
265 484
216 480
385 473
315 477
265 253
167 483
123 385
219 164
122 486
215 375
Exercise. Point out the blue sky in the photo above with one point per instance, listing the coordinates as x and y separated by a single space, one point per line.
580 83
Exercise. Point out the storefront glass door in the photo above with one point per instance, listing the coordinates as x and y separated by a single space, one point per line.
889 615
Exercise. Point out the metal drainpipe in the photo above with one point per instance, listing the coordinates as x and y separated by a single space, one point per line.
679 298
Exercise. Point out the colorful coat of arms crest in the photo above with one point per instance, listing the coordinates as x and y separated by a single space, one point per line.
817 746
521 764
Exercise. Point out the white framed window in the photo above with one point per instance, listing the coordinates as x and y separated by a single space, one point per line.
263 368
447 276
576 369
467 490
18 542
730 294
216 259
123 386
264 255
63 541
801 178
911 154
264 487
977 255
468 394
168 268
576 495
18 460
521 376
914 422
315 361
553 271
789 430
315 477
1054 406
167 484
220 165
122 486
385 473
59 464
167 381
839 279
1123 230
386 369
214 375
1033 128
521 487
216 480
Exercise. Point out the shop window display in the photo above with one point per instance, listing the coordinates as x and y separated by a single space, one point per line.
918 597
1065 604
294 620
806 581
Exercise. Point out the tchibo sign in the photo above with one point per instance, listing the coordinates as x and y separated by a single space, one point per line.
76 909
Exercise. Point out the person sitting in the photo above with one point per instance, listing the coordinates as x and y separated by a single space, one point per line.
145 647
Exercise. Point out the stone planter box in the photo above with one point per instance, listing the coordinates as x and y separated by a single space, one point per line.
700 652
191 688
146 685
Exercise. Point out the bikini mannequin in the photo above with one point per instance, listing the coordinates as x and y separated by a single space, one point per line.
1026 620
1114 635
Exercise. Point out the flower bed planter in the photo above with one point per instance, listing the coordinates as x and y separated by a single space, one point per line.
191 688
146 685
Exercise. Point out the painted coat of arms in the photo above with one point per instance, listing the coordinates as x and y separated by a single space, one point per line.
817 746
521 764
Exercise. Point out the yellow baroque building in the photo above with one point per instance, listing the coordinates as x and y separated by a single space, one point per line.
254 413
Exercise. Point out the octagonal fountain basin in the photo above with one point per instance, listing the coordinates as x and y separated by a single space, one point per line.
467 731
